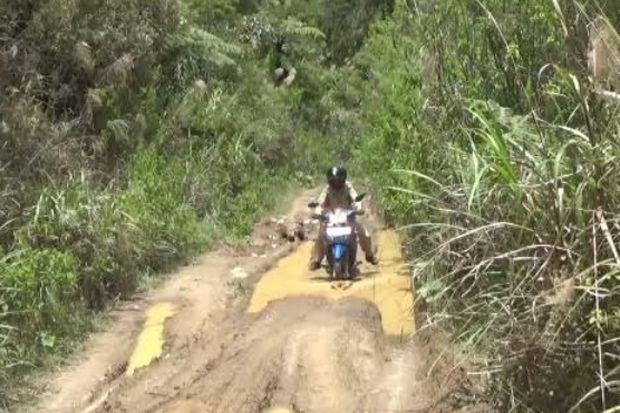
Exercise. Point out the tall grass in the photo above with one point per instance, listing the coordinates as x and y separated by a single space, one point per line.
499 158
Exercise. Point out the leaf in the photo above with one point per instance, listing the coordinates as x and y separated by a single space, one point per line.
479 173
558 9
48 340
294 26
431 290
575 132
419 175
204 45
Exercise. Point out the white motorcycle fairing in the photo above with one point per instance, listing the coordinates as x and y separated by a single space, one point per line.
337 232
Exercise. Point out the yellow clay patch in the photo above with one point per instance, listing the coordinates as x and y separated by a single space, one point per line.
388 286
151 339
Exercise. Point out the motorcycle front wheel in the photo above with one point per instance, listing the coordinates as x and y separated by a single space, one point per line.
340 269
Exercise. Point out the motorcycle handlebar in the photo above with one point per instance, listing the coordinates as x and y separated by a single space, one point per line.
323 216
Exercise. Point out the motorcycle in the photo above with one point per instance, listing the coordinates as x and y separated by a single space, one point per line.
339 234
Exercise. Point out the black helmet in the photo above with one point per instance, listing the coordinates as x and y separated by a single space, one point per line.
336 177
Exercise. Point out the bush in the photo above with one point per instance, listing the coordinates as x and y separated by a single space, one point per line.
489 144
40 307
134 134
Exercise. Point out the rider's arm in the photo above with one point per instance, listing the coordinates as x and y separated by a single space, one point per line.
353 195
322 201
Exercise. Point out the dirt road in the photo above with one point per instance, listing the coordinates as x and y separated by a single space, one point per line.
254 331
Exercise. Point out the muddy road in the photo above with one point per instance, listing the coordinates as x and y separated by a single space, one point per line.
254 331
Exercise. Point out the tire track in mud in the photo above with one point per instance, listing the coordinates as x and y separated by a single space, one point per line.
283 341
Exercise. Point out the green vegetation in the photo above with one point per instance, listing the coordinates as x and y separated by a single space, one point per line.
489 142
133 134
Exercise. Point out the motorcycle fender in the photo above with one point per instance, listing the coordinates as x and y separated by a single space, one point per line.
338 251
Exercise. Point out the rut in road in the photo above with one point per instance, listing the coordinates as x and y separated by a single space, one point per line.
245 339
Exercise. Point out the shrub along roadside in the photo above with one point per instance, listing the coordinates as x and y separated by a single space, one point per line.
134 133
492 149
82 248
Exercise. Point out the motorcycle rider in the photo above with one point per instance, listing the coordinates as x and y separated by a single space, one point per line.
339 193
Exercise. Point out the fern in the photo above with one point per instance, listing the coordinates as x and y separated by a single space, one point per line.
208 46
293 26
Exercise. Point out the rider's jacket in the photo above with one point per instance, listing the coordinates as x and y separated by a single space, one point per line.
331 198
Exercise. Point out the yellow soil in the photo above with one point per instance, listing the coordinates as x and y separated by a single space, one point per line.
151 340
388 286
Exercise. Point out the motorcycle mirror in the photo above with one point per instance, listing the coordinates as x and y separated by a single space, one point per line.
360 197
